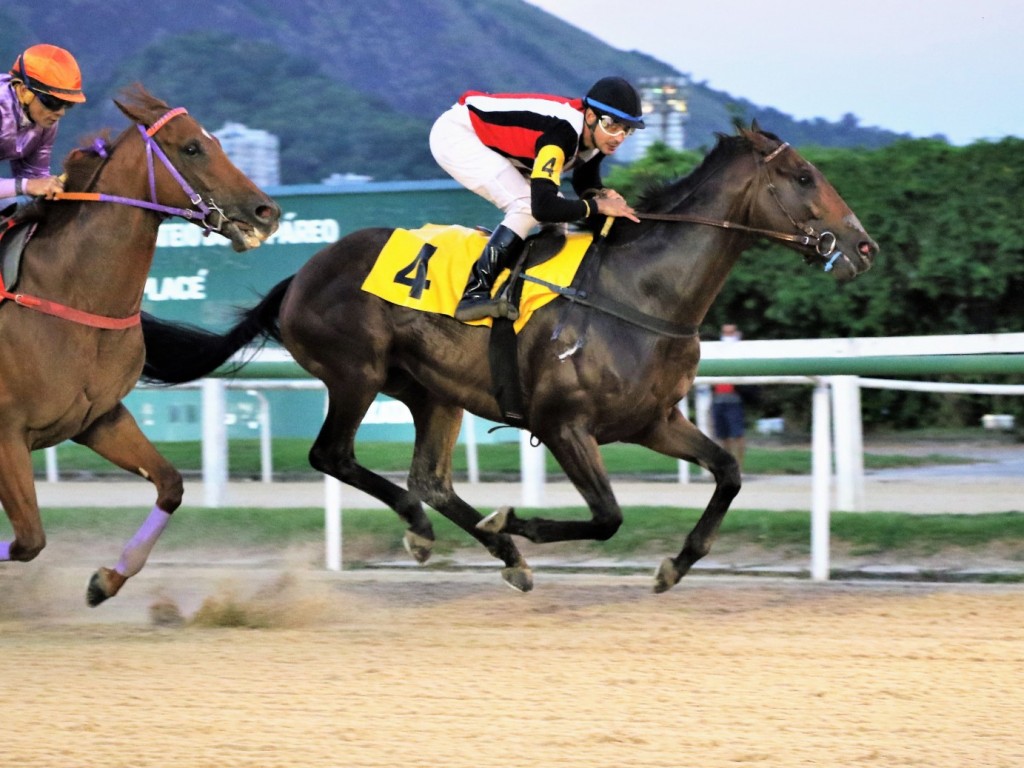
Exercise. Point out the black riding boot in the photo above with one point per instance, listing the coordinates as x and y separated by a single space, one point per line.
500 253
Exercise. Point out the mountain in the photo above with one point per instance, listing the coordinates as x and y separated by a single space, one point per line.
353 87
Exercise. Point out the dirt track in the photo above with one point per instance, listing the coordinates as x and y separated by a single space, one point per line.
428 668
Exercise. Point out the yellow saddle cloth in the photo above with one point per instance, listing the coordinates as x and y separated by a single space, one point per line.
427 269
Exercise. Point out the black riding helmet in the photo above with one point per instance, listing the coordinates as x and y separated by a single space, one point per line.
616 97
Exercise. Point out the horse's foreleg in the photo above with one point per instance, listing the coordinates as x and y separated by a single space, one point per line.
437 430
578 454
117 438
678 438
18 497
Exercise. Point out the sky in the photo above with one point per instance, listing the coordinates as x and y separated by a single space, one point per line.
923 67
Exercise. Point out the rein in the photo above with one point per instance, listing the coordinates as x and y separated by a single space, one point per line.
203 211
824 243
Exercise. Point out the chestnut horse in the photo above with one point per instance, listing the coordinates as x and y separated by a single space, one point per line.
639 316
71 344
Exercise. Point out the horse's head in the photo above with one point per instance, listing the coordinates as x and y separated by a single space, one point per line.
792 196
198 176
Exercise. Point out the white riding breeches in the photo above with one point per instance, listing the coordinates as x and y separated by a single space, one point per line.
458 150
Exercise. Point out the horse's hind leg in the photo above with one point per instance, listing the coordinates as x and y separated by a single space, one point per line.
116 437
578 454
333 453
437 430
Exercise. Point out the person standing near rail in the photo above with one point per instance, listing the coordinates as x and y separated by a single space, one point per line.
727 411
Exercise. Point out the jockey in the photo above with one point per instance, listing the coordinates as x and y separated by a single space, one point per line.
511 149
44 82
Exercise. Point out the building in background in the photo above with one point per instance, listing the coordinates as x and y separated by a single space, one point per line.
665 114
257 153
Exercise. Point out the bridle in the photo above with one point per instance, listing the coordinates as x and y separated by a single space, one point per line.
202 214
824 243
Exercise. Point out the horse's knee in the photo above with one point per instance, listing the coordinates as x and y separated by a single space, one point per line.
26 548
607 527
432 491
170 491
728 477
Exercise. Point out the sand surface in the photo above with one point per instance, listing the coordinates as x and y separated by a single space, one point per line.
429 668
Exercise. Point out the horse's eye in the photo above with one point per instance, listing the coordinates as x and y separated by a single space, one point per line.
804 179
192 149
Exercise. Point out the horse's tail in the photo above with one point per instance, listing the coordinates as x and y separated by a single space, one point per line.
180 352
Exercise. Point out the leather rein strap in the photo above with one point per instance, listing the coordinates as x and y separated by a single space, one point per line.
824 243
101 321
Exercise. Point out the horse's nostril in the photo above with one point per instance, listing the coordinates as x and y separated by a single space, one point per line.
867 250
267 212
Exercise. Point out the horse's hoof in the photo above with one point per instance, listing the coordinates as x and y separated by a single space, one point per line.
103 585
495 522
418 546
667 576
519 578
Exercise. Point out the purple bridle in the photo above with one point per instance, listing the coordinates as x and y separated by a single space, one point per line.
202 213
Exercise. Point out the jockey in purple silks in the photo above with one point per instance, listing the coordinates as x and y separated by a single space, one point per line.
44 82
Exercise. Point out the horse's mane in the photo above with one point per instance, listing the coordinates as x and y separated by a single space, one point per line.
660 198
82 164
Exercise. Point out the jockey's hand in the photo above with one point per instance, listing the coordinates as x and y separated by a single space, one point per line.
611 203
48 187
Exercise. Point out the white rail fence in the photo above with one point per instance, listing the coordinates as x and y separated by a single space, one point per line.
836 441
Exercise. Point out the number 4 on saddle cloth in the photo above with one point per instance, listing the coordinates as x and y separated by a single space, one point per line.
427 269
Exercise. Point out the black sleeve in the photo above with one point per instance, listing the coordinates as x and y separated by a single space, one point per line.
548 206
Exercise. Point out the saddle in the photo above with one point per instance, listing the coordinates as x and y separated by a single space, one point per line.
502 349
426 270
17 225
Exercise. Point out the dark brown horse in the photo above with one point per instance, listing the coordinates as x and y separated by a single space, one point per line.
70 340
655 283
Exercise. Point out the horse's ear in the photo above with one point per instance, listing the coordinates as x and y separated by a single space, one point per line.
758 140
136 103
754 127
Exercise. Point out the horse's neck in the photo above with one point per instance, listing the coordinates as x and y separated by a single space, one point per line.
676 270
95 258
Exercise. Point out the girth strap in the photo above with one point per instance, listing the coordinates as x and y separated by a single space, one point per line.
48 307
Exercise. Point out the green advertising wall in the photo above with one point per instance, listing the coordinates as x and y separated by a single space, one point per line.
202 280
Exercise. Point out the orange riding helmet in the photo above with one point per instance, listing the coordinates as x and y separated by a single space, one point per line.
51 70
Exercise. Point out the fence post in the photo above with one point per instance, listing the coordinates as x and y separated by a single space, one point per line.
849 443
215 441
472 454
702 416
531 461
821 474
266 438
52 469
684 466
332 523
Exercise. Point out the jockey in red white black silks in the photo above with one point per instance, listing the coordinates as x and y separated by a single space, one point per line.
512 149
